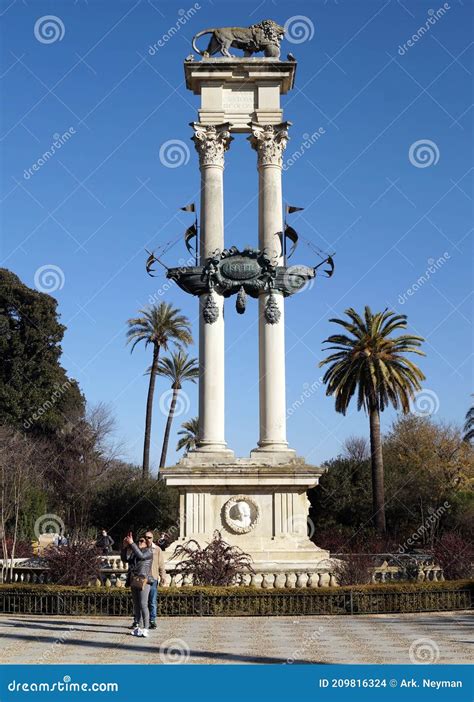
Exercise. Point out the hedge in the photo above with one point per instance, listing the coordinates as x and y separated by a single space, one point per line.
241 601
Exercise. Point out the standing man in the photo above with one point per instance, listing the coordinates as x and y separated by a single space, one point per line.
157 571
105 543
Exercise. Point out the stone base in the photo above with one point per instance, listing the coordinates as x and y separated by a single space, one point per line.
260 508
271 455
207 456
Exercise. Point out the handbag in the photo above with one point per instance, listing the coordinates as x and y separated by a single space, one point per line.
138 582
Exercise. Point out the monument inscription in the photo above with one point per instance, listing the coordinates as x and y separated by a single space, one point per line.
238 100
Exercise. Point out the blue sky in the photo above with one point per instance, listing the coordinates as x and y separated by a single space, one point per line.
105 196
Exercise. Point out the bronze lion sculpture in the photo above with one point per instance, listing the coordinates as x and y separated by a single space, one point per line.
264 36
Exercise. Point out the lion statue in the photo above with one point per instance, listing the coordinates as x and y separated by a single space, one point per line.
264 36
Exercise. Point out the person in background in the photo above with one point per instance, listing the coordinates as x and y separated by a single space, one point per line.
105 543
139 558
157 571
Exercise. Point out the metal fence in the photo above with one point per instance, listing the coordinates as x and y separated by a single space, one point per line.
260 603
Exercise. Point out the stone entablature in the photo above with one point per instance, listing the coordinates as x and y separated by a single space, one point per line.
240 90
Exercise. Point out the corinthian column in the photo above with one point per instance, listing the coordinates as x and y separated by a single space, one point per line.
270 141
211 142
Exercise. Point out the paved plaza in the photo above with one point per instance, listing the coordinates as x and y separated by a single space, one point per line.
401 638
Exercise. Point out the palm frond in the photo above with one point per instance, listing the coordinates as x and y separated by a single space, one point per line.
372 363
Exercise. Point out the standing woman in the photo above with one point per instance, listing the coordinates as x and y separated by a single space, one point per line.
139 559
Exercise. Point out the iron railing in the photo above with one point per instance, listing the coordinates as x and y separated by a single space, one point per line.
176 603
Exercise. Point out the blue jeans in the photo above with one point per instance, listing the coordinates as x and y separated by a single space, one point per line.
152 599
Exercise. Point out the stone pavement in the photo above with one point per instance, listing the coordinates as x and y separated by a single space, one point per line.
443 637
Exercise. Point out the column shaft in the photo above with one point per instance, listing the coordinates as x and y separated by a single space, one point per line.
211 142
271 336
269 141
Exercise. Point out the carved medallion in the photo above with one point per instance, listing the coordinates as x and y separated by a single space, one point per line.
241 514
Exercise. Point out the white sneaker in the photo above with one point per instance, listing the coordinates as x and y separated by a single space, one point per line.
136 632
144 632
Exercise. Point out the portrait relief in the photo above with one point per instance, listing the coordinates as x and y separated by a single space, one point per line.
241 514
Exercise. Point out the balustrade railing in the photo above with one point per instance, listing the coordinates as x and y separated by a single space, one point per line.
113 573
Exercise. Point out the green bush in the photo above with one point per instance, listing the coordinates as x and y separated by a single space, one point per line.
240 601
248 590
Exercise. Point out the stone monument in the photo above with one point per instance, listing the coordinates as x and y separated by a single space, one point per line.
257 503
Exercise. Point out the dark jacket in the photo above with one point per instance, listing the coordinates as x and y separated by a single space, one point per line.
105 543
139 562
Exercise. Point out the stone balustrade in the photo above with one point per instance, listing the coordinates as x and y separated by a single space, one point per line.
426 573
113 573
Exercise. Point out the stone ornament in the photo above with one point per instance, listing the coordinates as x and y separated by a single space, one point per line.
211 141
241 273
241 514
272 311
269 140
264 36
211 310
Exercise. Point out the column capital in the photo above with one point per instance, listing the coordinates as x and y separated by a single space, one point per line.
211 141
269 141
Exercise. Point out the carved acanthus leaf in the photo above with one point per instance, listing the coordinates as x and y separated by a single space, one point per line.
211 141
269 140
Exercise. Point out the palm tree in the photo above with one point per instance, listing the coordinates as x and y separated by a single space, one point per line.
469 426
189 434
178 368
158 325
374 365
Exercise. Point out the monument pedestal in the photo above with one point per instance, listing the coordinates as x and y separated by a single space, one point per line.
262 509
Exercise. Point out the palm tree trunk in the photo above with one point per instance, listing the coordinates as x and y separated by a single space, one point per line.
166 437
149 412
378 498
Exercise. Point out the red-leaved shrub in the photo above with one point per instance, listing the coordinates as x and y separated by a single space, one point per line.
75 564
